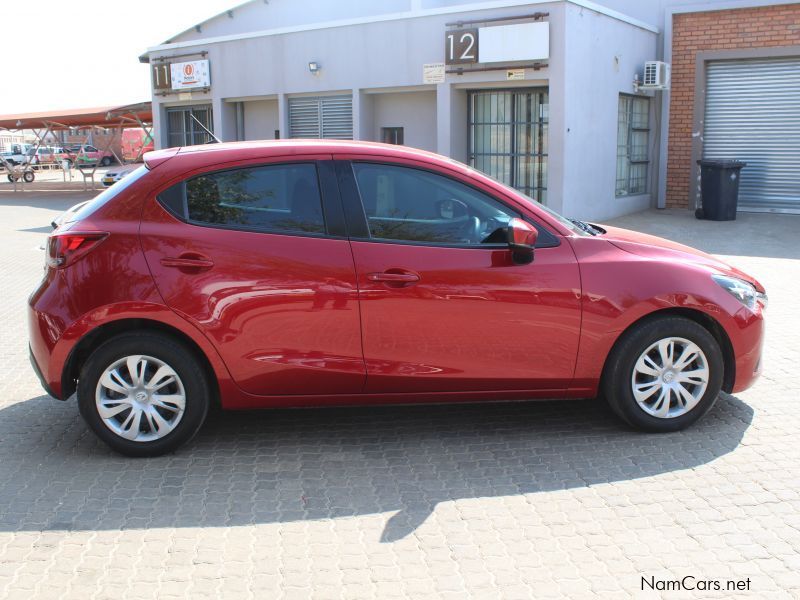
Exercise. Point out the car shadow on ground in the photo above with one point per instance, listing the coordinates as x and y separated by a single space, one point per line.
277 466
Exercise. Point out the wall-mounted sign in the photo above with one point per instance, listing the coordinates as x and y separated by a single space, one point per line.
433 73
498 44
461 46
515 74
509 43
190 75
162 79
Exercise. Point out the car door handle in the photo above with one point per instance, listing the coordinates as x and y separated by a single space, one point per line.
201 263
394 277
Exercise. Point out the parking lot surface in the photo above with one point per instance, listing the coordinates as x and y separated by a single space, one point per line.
527 500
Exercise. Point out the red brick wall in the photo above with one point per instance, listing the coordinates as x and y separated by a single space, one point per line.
715 30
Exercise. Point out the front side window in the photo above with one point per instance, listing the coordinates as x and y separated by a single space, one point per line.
412 205
271 198
633 141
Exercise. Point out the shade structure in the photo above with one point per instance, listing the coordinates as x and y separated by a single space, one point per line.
58 120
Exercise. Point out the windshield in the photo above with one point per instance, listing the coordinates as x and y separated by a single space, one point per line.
109 194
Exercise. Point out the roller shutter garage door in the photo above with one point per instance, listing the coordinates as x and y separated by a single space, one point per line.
329 117
753 114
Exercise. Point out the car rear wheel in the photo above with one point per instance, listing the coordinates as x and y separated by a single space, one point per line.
105 161
143 394
28 176
664 374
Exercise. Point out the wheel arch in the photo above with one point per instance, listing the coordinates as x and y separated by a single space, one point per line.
97 336
703 319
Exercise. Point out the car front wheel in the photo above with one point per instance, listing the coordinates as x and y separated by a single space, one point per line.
143 394
664 374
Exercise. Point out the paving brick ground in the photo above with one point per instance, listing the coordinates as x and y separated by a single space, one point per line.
539 500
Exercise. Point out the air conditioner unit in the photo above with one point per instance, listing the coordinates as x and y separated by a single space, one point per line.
656 75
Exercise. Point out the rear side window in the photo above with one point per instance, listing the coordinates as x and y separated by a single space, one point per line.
271 198
109 194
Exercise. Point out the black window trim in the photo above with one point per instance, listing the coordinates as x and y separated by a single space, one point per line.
356 215
329 199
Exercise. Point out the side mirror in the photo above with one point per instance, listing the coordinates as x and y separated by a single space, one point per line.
521 241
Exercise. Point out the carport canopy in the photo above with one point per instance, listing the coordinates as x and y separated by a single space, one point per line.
115 118
81 118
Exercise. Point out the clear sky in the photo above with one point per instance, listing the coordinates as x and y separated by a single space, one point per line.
59 54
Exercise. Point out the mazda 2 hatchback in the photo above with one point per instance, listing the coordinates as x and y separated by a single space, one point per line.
315 273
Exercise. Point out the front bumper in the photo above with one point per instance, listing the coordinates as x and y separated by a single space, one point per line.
747 339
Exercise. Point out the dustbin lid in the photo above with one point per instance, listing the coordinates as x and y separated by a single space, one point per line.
721 163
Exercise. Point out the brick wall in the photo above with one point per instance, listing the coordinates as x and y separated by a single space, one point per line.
715 30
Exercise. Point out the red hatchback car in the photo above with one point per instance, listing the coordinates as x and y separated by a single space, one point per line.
310 273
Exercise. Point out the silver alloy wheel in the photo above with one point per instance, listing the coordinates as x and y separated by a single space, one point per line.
140 398
670 377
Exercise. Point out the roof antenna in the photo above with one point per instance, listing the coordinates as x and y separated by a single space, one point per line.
216 139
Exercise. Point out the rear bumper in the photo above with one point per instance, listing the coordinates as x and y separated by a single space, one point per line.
38 372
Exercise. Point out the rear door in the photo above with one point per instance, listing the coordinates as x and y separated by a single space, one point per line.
256 257
443 307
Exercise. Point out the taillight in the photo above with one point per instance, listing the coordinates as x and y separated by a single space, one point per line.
64 249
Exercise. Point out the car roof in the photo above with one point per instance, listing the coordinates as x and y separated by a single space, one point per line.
187 158
209 153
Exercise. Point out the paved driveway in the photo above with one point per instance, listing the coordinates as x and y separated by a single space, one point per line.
531 500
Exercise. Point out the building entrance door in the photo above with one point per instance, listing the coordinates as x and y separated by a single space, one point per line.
508 137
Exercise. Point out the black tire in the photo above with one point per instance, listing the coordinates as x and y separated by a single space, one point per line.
105 161
28 177
181 359
11 178
618 373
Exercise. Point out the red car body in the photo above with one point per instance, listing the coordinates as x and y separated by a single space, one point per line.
292 320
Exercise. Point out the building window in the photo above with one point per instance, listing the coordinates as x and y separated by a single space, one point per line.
392 135
508 138
183 128
633 143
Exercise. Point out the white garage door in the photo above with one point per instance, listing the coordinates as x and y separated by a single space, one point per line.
753 114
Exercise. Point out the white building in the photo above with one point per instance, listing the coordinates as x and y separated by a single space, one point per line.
540 95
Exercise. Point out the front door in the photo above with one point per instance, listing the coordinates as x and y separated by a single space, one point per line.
441 308
245 254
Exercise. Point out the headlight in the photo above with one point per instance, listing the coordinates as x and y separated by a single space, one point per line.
744 291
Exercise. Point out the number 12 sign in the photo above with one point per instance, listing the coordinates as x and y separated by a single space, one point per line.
461 46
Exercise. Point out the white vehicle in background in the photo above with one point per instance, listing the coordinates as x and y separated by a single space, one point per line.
113 175
18 153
